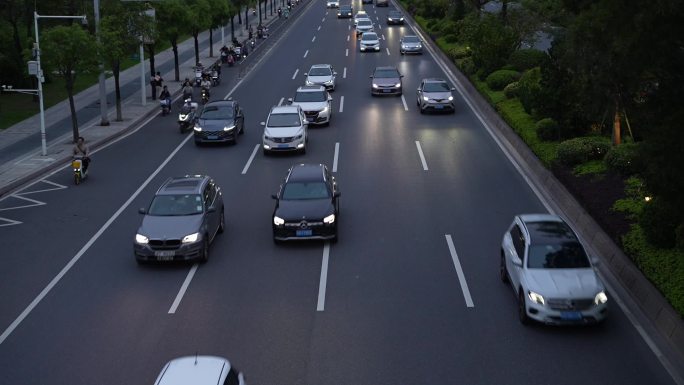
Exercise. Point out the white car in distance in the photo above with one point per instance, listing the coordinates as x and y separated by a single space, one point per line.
200 370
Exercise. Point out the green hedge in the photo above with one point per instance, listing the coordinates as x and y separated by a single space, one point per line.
580 150
547 129
525 59
522 123
497 80
623 159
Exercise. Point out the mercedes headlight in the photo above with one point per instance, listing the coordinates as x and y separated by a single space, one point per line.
328 81
401 19
228 128
141 239
535 297
329 219
278 221
600 298
451 98
419 46
191 238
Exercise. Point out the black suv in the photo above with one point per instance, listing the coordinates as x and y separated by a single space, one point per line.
183 218
395 17
345 12
307 205
219 121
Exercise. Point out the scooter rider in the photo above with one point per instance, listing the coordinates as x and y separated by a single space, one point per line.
81 150
165 95
187 89
206 85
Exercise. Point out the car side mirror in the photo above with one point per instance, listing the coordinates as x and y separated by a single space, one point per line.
517 261
330 98
274 196
453 88
289 100
306 74
263 123
401 76
211 209
142 210
418 89
334 73
371 77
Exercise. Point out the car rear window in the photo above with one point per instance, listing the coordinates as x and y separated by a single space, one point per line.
284 120
176 205
565 255
305 190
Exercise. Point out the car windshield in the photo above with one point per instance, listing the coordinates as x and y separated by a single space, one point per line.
175 205
320 71
217 112
411 39
395 14
369 36
386 73
284 120
305 190
317 96
436 87
364 23
566 255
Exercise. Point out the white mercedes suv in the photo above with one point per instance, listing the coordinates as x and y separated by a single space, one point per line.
551 273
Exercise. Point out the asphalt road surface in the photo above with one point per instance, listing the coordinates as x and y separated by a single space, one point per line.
385 305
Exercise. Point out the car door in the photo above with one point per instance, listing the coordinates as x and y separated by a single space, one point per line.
517 253
420 91
239 118
210 220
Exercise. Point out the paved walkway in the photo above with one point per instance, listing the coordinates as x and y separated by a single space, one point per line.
20 144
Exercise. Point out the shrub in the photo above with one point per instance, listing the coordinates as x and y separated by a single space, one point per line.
579 150
525 59
497 80
511 90
467 66
530 88
451 38
659 221
547 129
623 159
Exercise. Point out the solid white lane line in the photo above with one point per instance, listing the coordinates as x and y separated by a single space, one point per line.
341 103
314 39
251 158
324 278
319 28
403 100
295 74
346 52
387 51
183 288
422 157
459 271
337 154
306 53
344 73
280 103
90 242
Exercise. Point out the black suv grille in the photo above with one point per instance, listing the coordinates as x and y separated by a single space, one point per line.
164 244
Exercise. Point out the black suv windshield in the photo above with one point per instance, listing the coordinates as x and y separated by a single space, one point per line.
305 190
388 73
566 255
217 112
284 120
175 205
436 87
303 97
320 71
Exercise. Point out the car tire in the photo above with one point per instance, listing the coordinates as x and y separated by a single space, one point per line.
503 273
422 111
235 138
242 130
522 308
266 152
277 241
204 257
401 52
303 150
222 223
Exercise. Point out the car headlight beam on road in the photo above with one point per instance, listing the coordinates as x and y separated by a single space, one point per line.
141 239
329 219
278 221
600 298
535 297
191 238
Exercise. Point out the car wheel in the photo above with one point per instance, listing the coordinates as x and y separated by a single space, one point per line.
303 150
222 223
235 137
522 308
503 273
204 256
422 111
266 152
242 129
401 52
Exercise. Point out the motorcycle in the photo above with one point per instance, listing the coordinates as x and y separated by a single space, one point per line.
205 96
252 43
215 78
280 12
231 60
165 105
186 115
80 171
198 76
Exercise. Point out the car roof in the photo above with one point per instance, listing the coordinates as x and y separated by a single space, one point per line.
306 172
188 184
312 88
284 109
547 229
196 370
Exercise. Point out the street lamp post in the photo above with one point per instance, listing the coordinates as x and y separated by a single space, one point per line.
39 74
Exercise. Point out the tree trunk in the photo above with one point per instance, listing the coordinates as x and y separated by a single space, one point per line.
116 68
232 27
150 54
211 42
174 47
504 10
69 81
246 18
194 35
239 17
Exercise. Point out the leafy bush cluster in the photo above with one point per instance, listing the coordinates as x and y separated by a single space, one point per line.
511 90
579 150
525 59
547 129
497 80
624 159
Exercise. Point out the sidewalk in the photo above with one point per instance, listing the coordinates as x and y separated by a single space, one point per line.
21 145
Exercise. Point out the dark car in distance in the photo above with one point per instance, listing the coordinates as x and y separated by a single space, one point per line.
345 12
382 3
386 81
182 220
307 205
219 121
395 17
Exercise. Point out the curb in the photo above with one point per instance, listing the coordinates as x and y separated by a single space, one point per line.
644 294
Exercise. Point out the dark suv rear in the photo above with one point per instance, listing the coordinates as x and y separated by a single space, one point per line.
183 218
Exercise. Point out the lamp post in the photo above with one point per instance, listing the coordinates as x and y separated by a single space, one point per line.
39 73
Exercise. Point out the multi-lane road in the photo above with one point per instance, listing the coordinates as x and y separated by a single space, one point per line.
409 294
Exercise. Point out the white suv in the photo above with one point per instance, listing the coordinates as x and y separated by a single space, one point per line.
551 273
285 130
323 74
333 4
316 103
200 370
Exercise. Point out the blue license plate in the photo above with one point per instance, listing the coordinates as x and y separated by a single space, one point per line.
571 315
310 119
283 146
304 233
439 107
386 90
212 137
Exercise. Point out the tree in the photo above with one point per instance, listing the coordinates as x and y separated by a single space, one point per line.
173 17
220 15
199 12
69 50
491 41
